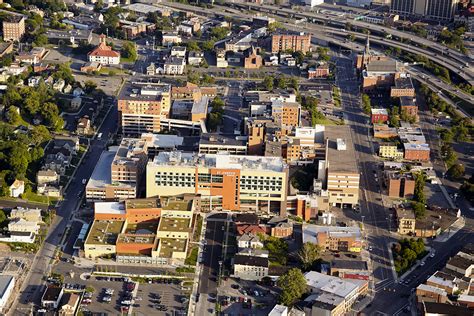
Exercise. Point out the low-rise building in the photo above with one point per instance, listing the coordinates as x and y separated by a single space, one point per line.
319 71
250 268
91 67
22 225
334 238
406 221
249 240
170 38
34 56
428 293
379 116
195 58
174 65
400 185
104 54
350 269
416 152
47 177
408 106
403 88
331 295
69 303
52 296
28 214
252 60
390 150
84 126
17 188
7 285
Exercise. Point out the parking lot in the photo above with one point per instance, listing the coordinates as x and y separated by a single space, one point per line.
241 297
111 293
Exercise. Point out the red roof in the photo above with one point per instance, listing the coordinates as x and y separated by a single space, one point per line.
104 51
249 228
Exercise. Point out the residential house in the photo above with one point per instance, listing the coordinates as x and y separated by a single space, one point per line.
34 81
84 126
174 65
250 268
47 177
76 103
59 85
34 56
7 286
195 58
17 188
178 51
170 38
249 240
319 71
221 61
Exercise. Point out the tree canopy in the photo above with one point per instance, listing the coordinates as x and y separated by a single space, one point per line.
293 286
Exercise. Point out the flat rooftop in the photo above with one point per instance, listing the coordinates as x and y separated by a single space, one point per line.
221 139
136 239
104 232
101 176
145 91
330 284
310 232
129 150
407 101
162 140
174 224
340 160
143 8
170 245
403 83
171 204
142 203
77 34
200 106
109 208
219 161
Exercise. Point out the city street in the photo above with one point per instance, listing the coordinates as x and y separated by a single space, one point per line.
33 286
211 259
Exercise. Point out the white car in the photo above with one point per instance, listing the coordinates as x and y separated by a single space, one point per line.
84 181
422 263
432 255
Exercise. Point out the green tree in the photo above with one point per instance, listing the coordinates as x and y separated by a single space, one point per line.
419 195
299 57
41 40
308 254
18 159
207 45
268 83
12 116
366 106
456 171
89 86
446 135
218 33
39 135
294 84
129 51
3 217
193 46
293 286
419 210
323 54
281 82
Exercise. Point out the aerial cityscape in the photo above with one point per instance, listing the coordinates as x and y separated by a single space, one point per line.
243 157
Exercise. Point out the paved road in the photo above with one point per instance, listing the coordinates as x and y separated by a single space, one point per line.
212 255
373 214
33 286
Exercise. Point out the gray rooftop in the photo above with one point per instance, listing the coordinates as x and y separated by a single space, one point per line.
221 139
340 160
143 91
101 176
4 282
382 66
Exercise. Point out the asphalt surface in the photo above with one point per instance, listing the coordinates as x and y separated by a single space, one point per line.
211 256
33 286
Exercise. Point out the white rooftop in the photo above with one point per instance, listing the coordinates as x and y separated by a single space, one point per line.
412 146
310 232
440 281
162 140
219 161
330 284
117 208
434 289
380 111
279 310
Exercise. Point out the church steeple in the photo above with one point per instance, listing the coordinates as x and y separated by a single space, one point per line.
367 46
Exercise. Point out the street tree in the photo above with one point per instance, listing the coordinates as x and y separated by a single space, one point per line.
308 254
293 286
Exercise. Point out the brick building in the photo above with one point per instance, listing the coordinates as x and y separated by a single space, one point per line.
400 185
13 28
379 116
291 42
416 152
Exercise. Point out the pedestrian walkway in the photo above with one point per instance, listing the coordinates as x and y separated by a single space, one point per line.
453 229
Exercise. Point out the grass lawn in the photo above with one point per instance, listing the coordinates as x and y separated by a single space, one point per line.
192 257
127 60
33 197
69 171
327 121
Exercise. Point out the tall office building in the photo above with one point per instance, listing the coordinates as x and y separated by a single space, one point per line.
441 9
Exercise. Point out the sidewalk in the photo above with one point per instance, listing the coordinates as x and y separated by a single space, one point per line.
453 229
